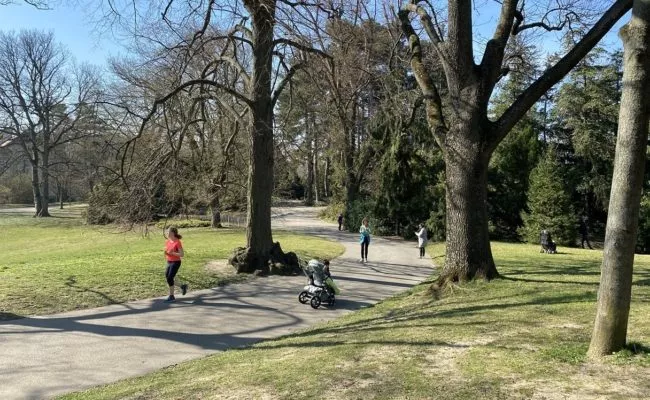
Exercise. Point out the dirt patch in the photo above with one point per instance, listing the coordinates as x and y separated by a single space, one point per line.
590 382
220 267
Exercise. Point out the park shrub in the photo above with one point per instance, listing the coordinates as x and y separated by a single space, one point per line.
332 211
18 189
357 211
183 223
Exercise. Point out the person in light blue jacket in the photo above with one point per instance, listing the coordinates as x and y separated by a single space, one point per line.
364 239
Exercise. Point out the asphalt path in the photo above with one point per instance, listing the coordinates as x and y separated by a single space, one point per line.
41 357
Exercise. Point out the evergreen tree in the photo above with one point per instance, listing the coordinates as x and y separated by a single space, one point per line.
517 154
587 116
549 204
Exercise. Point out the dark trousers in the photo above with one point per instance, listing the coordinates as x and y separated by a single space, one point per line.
422 251
364 249
171 271
340 223
585 239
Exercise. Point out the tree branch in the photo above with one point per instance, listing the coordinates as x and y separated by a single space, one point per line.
435 38
495 48
430 93
283 83
555 73
301 47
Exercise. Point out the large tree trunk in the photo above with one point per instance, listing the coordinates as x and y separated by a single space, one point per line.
215 207
45 184
610 328
36 187
351 189
315 163
468 253
326 178
260 175
309 184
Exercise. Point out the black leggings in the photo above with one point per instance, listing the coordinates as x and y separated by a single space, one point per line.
422 251
171 271
364 249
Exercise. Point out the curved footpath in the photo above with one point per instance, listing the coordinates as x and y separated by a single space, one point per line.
44 356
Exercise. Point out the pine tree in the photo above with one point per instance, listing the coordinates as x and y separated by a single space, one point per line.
549 204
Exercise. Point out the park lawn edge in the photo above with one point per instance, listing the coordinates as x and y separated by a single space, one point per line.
61 264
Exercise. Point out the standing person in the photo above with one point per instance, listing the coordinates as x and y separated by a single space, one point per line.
422 239
364 230
584 232
173 253
340 219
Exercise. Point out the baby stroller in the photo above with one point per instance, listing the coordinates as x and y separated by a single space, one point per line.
320 287
548 245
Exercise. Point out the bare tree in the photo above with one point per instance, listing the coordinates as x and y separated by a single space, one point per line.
249 29
40 99
614 294
462 128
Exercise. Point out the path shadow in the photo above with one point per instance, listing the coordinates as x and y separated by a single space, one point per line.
373 281
9 316
89 323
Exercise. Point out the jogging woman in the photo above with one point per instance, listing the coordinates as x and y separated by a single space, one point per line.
173 253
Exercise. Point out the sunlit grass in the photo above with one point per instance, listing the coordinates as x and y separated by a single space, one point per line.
59 264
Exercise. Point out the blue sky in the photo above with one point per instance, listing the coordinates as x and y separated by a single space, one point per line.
72 28
69 27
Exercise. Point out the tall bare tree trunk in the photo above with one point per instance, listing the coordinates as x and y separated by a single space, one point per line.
326 178
315 162
259 238
45 182
610 327
36 186
215 207
309 184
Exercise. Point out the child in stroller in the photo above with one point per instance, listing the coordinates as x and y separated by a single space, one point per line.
320 287
548 245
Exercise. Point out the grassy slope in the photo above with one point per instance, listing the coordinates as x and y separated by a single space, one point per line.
521 337
59 264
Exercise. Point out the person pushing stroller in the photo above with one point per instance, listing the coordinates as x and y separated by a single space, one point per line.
548 245
321 287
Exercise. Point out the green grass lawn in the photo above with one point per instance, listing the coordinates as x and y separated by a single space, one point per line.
521 337
59 264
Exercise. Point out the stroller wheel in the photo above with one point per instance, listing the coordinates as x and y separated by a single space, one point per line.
303 297
315 302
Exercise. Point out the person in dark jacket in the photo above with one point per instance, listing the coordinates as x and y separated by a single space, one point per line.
584 232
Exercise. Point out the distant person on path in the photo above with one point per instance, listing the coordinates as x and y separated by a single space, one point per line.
173 254
364 230
340 219
422 239
584 232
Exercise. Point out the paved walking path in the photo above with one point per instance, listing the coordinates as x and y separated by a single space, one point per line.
44 356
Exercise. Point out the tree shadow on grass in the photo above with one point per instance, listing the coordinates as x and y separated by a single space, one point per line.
71 282
638 348
508 278
325 343
409 317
